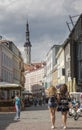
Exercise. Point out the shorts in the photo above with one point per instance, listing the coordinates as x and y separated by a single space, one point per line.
52 104
63 108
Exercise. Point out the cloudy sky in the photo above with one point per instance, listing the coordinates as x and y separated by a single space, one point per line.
47 22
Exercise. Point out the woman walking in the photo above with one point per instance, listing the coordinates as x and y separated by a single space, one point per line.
52 104
17 105
63 104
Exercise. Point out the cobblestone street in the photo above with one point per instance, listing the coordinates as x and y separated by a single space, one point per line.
35 118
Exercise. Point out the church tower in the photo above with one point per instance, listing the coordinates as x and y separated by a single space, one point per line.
27 46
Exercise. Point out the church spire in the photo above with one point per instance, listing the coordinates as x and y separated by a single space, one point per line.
27 43
27 46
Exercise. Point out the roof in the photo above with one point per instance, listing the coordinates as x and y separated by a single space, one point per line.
4 41
34 66
54 46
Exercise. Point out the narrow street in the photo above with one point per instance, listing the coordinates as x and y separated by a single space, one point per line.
36 118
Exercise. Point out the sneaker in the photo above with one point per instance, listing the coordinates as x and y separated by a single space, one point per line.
64 127
52 126
16 118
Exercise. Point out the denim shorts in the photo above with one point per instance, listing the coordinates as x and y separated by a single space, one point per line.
52 104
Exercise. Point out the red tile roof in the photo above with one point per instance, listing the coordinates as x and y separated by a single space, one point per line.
34 66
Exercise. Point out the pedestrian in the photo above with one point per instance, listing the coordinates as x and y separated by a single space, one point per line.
35 101
17 105
63 104
52 104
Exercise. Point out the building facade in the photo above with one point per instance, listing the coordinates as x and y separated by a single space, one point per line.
73 55
67 60
34 75
60 66
6 62
50 63
55 76
10 69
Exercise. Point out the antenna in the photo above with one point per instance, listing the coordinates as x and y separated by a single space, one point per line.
71 21
68 26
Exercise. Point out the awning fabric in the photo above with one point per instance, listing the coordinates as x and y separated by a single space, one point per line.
26 92
9 85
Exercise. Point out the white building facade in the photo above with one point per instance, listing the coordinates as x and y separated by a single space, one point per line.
34 79
60 66
11 77
50 62
6 63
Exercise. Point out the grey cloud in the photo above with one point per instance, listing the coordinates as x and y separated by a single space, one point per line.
47 21
55 28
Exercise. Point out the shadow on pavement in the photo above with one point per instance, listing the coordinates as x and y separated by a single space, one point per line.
34 108
6 119
75 128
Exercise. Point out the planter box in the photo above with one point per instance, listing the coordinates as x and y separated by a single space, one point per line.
7 106
7 109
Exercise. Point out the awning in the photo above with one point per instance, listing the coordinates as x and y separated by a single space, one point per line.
26 92
9 85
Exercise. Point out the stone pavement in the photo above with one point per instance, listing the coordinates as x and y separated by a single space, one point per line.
36 118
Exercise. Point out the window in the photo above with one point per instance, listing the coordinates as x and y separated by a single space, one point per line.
80 50
63 71
80 61
80 70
